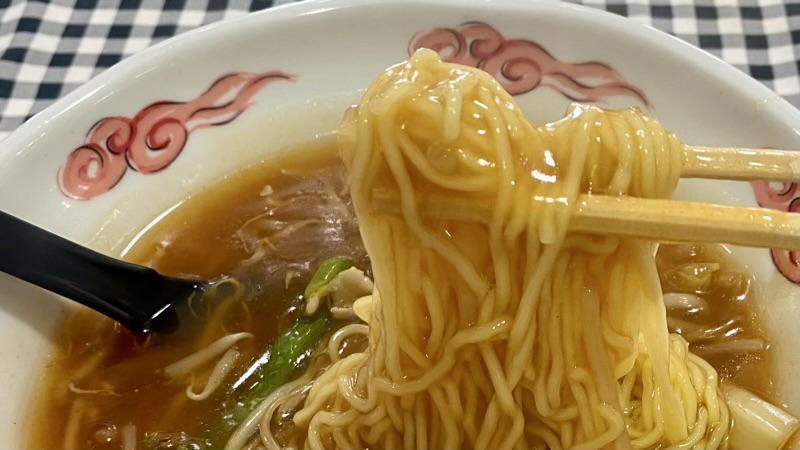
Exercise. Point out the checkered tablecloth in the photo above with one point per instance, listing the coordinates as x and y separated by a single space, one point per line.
48 48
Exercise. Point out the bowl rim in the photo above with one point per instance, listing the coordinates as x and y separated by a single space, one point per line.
37 125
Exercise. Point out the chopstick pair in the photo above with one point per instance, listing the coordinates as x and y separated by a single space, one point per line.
667 220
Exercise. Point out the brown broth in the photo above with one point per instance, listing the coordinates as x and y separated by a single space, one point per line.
731 298
209 235
218 232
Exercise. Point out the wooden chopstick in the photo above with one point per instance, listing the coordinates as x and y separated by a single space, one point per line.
673 220
657 220
730 163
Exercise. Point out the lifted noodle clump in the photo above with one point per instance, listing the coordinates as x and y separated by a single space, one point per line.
506 331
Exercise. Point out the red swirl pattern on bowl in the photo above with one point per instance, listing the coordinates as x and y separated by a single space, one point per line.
782 196
522 65
151 140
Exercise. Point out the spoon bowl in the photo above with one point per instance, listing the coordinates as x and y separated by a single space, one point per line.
138 297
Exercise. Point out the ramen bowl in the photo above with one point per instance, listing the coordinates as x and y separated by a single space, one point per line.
103 162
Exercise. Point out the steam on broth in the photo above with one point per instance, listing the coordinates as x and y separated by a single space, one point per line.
297 348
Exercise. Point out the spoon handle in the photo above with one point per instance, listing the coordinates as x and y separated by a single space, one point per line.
130 294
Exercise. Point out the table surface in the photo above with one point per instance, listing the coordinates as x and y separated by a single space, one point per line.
49 48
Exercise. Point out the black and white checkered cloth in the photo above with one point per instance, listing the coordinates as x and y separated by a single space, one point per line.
48 48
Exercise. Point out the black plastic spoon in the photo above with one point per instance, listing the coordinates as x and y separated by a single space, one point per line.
138 297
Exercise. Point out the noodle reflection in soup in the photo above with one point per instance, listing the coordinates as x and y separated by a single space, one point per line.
489 325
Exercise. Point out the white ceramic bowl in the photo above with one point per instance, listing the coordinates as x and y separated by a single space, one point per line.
240 91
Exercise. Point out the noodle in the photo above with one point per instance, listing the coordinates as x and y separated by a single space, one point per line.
221 370
76 390
203 356
335 342
72 430
509 333
249 425
129 437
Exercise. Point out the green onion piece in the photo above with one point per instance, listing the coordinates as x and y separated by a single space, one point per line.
327 271
289 354
288 357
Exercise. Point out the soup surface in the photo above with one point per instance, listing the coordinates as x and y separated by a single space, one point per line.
269 227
